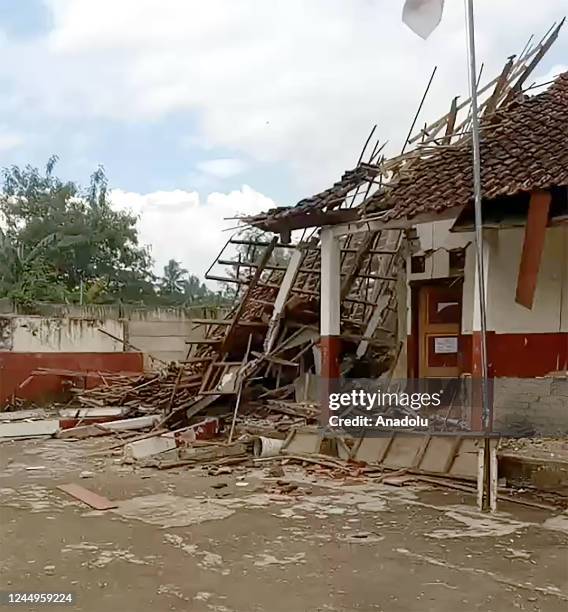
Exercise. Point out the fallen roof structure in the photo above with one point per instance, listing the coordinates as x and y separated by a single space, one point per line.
523 147
506 113
256 365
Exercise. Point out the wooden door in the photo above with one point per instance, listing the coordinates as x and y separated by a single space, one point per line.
439 326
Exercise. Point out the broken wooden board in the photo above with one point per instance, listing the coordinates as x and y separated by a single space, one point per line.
455 456
98 502
304 441
211 452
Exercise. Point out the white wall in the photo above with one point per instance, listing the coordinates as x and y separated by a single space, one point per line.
164 339
434 242
504 315
550 308
34 334
159 334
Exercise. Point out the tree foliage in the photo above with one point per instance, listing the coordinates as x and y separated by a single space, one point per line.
59 242
177 286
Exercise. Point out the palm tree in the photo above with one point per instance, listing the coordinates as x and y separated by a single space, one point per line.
172 280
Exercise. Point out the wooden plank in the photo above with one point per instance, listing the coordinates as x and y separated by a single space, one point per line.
248 293
422 451
499 88
360 256
535 233
370 449
450 125
480 477
465 461
542 49
197 360
282 297
386 448
227 322
402 451
273 359
494 478
437 454
453 454
98 502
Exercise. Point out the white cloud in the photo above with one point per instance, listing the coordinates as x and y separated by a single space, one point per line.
10 140
222 168
282 81
178 224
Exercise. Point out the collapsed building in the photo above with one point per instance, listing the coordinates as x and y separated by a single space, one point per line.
421 203
382 284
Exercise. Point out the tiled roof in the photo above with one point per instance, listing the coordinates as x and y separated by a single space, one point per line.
328 200
524 146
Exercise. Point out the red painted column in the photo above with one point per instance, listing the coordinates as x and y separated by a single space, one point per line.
476 415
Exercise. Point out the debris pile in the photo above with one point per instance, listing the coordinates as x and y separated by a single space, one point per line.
247 389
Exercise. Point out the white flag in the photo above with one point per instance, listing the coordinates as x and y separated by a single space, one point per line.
422 16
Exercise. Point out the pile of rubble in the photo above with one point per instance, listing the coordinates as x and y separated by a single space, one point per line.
248 387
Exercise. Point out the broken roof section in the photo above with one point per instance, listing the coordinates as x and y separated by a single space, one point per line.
322 208
523 147
436 174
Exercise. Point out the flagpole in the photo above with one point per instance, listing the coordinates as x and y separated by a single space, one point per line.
475 139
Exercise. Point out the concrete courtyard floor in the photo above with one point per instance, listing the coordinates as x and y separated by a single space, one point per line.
177 543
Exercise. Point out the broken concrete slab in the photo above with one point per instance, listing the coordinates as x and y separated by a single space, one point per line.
102 429
149 447
30 429
134 423
20 415
93 413
83 431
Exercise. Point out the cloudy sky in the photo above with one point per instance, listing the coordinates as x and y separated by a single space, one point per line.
203 110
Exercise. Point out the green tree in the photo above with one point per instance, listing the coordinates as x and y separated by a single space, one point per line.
82 243
25 274
172 281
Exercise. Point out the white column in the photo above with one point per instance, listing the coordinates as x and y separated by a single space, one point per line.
330 301
490 238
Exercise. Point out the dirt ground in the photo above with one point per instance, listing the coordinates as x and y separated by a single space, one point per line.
555 449
177 543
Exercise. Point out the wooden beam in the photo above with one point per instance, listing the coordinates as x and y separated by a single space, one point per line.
248 293
451 124
282 297
535 233
499 88
355 270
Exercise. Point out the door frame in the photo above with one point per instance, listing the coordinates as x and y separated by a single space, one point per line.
413 340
